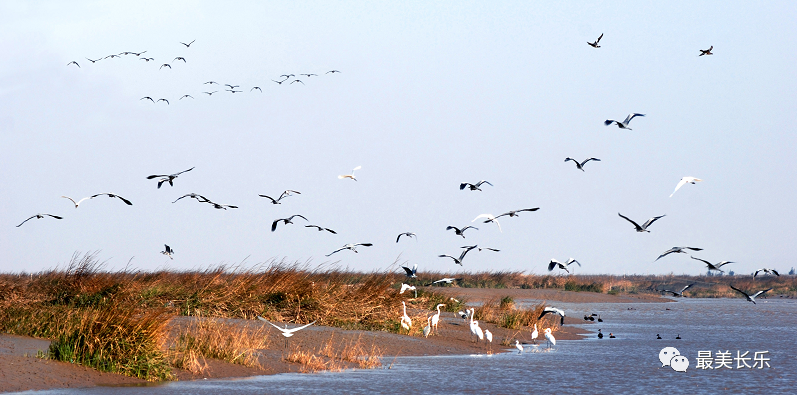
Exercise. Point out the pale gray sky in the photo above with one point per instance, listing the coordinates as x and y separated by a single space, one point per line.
429 95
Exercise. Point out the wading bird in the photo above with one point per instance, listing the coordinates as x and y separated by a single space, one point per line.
554 310
490 218
286 221
407 287
167 178
461 232
624 124
534 334
474 327
350 175
111 195
168 251
550 337
514 213
187 45
321 229
767 271
489 336
712 266
679 293
406 321
554 263
447 280
436 317
285 331
410 273
199 198
706 52
518 346
685 180
408 234
75 63
39 216
458 261
595 44
474 187
677 250
580 166
644 227
352 247
283 195
749 297
428 328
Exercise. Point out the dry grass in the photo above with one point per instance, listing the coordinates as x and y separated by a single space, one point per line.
336 356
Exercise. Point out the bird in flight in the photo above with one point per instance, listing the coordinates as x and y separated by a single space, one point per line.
447 280
210 82
168 251
350 175
748 296
74 63
167 178
221 206
165 65
685 180
490 218
111 56
187 45
258 88
321 229
285 331
677 250
147 59
180 58
110 195
233 91
285 194
286 221
411 273
92 61
712 266
184 96
458 261
461 232
309 75
474 187
554 263
147 98
297 81
74 202
332 71
580 166
624 124
167 102
554 310
280 82
408 234
210 93
707 51
199 198
767 271
644 227
352 247
39 216
595 44
287 76
679 293
232 86
514 213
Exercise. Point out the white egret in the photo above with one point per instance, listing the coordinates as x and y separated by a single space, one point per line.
534 334
436 317
518 346
549 336
407 287
285 331
350 175
684 181
490 218
489 336
406 321
428 328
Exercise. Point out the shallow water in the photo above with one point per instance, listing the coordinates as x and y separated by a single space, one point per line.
627 364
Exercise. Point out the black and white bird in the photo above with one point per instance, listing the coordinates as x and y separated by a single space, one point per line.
458 261
712 266
283 195
678 293
624 124
410 273
199 198
39 216
748 296
644 227
408 234
684 181
286 221
514 213
76 203
111 195
676 250
554 310
490 218
168 251
706 51
352 246
461 232
474 187
554 263
321 229
580 166
767 271
220 206
446 280
167 178
595 44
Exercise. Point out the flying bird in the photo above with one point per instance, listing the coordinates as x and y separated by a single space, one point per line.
147 98
165 65
350 175
210 83
748 296
684 180
679 293
514 213
167 102
167 178
408 234
285 194
74 63
286 221
644 227
352 247
458 261
490 218
231 86
712 266
111 56
187 45
595 44
168 251
285 331
461 232
677 250
407 287
280 82
554 263
409 272
292 82
309 75
321 229
474 187
147 59
210 93
233 91
110 195
39 216
332 71
76 203
92 61
199 198
624 124
258 88
580 166
554 310
221 206
767 271
180 58
707 51
447 280
184 96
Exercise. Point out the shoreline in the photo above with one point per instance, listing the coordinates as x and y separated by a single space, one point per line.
21 370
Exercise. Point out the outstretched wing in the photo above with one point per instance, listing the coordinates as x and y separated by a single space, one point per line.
739 291
297 215
680 184
761 292
599 38
686 287
29 218
269 198
587 160
177 174
632 116
650 221
274 225
629 220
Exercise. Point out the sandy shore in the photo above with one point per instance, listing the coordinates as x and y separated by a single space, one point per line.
20 370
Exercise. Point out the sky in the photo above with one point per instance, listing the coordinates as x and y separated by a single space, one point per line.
429 95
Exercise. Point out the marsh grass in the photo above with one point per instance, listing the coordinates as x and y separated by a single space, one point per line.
337 355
